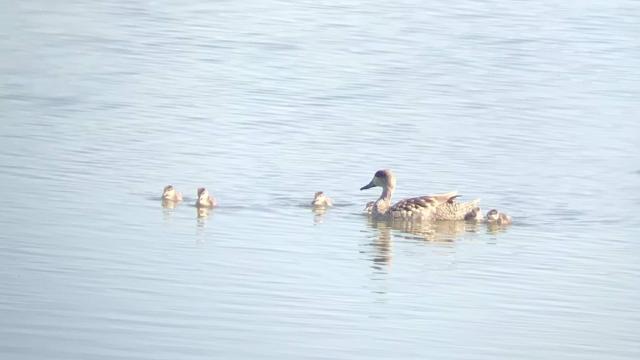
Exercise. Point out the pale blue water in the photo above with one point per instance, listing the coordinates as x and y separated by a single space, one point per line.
531 106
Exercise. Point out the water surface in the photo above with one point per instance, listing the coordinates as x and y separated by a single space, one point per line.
530 106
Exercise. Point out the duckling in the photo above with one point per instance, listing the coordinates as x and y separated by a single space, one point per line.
475 215
368 207
320 200
169 193
205 200
498 218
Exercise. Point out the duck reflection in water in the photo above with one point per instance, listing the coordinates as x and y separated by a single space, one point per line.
444 231
318 215
202 212
382 244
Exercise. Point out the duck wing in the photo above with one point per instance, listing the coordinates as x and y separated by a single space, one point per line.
427 201
413 204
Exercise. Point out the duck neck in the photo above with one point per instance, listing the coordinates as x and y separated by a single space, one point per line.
385 197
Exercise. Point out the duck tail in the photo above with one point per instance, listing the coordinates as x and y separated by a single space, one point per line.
449 197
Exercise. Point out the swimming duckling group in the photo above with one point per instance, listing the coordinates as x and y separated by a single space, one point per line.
417 209
171 197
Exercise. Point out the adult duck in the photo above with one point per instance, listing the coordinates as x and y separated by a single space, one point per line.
422 208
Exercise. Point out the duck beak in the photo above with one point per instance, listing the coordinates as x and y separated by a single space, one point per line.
368 186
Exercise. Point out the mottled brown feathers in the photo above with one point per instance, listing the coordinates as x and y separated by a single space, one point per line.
414 203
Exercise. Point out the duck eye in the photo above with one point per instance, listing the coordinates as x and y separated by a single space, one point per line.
380 174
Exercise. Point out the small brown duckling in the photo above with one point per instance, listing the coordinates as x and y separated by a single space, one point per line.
320 200
498 218
368 208
474 215
169 193
205 200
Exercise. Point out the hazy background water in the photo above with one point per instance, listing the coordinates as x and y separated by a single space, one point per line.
531 106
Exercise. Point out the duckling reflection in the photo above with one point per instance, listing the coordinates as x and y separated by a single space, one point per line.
170 197
167 214
169 204
318 215
202 217
202 212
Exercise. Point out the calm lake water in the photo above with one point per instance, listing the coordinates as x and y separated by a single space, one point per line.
531 106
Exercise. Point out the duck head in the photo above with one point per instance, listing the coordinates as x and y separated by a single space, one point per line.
383 178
